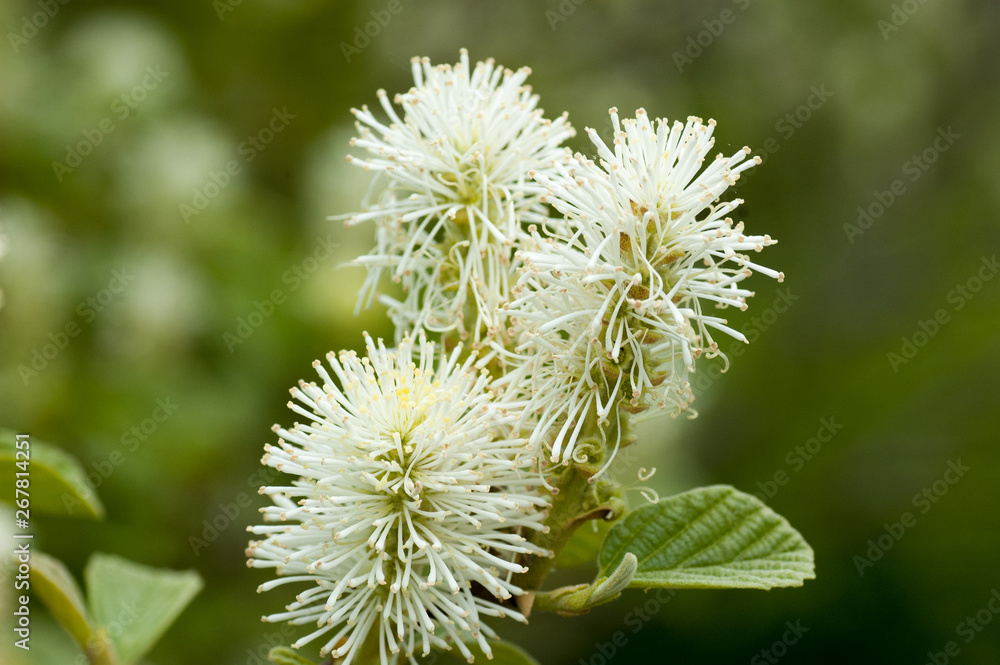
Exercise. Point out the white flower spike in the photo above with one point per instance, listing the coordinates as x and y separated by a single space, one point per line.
453 192
619 299
409 507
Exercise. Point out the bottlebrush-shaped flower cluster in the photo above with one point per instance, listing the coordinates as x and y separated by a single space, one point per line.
537 295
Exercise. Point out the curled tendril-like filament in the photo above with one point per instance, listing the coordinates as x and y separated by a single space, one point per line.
582 452
649 494
645 475
655 498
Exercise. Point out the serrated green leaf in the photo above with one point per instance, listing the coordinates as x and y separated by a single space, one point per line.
58 484
504 653
709 538
140 601
286 656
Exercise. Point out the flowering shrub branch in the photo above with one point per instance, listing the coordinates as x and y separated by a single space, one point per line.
544 301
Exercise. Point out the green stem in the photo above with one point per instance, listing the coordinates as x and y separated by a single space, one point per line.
101 652
576 500
568 507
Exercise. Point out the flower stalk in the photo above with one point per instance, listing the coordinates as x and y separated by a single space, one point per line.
576 498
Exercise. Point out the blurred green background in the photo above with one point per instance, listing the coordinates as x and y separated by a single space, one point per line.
144 106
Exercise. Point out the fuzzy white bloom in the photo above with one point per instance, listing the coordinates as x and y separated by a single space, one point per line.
409 506
616 305
453 192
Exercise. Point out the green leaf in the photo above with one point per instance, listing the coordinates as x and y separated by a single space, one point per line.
504 653
58 484
286 656
51 582
709 538
139 602
609 588
581 598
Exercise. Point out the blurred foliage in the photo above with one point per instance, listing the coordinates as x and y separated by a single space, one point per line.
55 483
130 312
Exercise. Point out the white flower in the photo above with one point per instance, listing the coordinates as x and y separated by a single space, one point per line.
454 192
408 509
619 298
